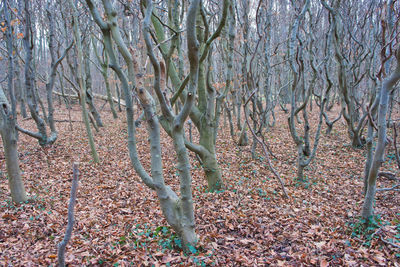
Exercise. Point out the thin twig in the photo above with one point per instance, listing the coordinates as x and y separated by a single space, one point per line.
371 119
395 145
72 200
389 243
389 189
67 121
262 143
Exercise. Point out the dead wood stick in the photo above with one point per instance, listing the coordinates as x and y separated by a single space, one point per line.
264 147
66 121
388 175
70 224
389 243
98 96
395 145
389 189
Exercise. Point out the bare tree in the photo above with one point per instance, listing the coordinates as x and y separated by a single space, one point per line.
203 113
32 96
81 80
177 210
378 159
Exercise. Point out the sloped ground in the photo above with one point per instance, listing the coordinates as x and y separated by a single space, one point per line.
119 223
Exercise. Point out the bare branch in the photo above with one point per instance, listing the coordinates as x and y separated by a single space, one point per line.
70 225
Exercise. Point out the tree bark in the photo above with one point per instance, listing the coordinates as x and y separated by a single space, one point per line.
82 84
9 137
387 87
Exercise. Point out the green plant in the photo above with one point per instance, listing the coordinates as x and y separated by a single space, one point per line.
366 228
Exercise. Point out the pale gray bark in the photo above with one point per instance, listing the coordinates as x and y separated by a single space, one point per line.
31 90
53 71
228 49
71 206
349 76
103 62
88 82
81 80
178 211
183 222
21 95
10 51
265 150
329 123
9 138
29 83
20 91
202 116
378 159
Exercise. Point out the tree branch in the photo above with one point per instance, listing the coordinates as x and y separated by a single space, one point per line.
70 225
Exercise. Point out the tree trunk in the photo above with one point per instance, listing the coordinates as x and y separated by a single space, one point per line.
10 52
243 139
104 72
229 114
82 84
369 156
300 171
187 221
19 91
387 87
88 83
31 93
9 137
212 172
356 140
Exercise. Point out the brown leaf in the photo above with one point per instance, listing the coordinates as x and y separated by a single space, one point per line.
323 263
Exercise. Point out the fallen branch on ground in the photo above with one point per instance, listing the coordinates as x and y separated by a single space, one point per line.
66 121
98 96
389 243
389 175
389 189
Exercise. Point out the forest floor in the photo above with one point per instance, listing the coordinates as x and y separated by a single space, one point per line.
249 223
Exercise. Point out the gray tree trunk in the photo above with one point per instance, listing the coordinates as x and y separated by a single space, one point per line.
104 72
9 137
81 80
88 85
387 87
177 210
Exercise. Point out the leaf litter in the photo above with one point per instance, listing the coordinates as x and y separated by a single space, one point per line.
118 220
